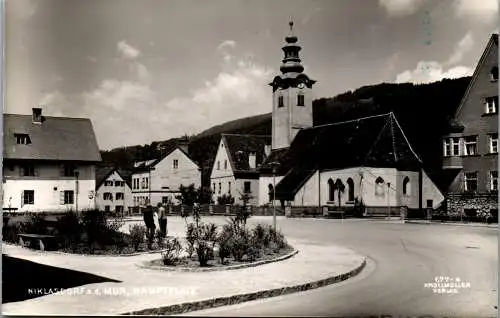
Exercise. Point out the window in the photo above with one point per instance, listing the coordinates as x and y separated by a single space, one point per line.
214 187
494 180
470 145
470 212
108 196
164 200
108 183
491 105
271 192
494 74
120 196
176 164
446 147
470 181
406 182
22 139
107 208
28 197
218 165
429 203
67 197
455 146
225 164
27 170
379 187
147 182
280 101
229 187
331 190
69 170
119 183
300 100
246 187
493 141
350 184
119 209
220 187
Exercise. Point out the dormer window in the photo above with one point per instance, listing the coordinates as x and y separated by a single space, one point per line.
37 115
491 105
300 100
22 139
70 170
494 74
280 101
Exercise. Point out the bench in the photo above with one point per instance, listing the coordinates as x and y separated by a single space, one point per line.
42 240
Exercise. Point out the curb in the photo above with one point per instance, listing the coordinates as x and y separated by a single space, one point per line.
451 223
86 255
213 269
241 298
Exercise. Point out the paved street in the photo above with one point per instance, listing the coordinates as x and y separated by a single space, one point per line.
404 258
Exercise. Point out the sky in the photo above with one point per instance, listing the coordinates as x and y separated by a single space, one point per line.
148 70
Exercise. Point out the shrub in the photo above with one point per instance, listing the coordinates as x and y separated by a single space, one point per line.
239 244
173 250
204 252
69 229
225 199
137 235
223 240
261 235
36 224
191 237
11 231
160 239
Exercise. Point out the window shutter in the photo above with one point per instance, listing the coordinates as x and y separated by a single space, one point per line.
22 199
61 197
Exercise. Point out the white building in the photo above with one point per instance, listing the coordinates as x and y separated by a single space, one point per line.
113 190
236 166
49 163
159 180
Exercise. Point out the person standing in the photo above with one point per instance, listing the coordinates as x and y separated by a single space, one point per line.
162 214
150 224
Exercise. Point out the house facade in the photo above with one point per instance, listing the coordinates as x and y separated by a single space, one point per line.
235 171
158 181
470 150
113 190
49 163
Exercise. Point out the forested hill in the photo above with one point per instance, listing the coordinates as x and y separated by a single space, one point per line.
423 111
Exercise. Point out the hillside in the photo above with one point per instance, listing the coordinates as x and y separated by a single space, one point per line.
422 110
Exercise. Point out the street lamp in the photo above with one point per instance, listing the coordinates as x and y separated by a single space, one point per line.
274 165
77 174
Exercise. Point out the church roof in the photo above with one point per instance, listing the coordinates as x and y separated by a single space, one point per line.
376 141
239 147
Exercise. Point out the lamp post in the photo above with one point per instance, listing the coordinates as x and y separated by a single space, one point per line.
389 199
77 174
274 165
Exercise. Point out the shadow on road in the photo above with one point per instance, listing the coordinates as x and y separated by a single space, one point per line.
20 279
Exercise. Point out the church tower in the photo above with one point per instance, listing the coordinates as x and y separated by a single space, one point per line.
292 96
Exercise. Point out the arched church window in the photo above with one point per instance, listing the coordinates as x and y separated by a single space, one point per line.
271 192
300 99
350 184
280 101
379 187
331 190
406 185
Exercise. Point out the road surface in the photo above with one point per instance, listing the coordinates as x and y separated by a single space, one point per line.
402 259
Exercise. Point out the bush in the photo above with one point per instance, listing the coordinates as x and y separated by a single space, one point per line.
160 239
137 235
223 240
191 238
239 244
69 229
173 250
261 235
11 231
36 224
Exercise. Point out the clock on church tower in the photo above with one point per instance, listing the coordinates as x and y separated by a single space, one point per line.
292 100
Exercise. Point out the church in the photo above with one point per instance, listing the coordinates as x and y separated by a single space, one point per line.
366 161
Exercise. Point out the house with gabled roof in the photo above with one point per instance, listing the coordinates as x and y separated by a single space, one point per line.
235 170
159 180
113 190
366 160
48 163
470 149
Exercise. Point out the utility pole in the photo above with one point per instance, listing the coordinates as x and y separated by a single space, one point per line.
389 199
274 198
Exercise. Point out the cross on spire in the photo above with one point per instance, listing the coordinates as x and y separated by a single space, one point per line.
291 25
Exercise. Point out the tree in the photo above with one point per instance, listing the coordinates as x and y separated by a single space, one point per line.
243 213
340 187
225 199
188 195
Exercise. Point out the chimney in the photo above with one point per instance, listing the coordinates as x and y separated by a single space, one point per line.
37 115
252 160
184 145
267 150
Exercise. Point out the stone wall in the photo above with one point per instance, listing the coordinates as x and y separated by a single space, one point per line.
482 203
